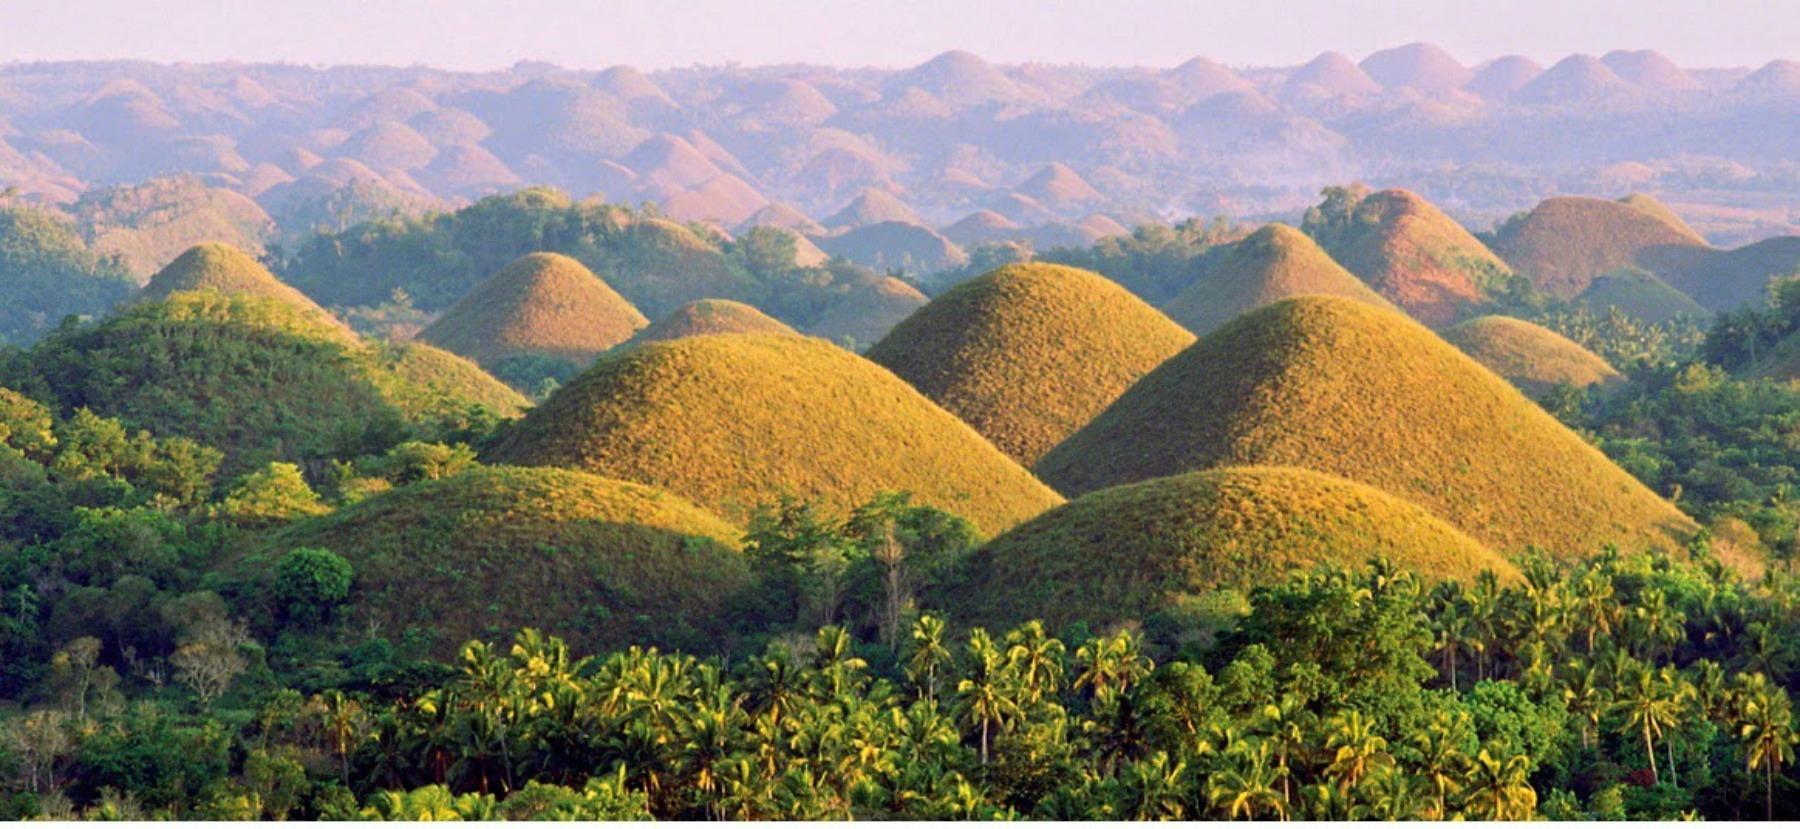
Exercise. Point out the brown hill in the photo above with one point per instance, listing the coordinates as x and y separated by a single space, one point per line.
1650 70
1663 214
710 316
960 79
1566 241
1029 353
1530 356
1503 76
542 304
669 161
882 246
1724 280
725 199
735 420
1274 263
389 144
1410 252
1423 66
1777 79
1201 78
776 214
873 206
868 312
1346 388
1576 79
1058 187
981 227
223 268
1638 293
1333 75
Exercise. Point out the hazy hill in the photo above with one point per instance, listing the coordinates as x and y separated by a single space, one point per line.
1274 263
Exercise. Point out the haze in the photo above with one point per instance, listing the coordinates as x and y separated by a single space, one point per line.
652 35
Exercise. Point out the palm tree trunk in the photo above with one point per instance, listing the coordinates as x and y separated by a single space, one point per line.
1769 791
1650 752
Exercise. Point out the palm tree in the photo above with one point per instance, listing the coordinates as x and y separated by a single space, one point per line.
1500 789
1586 697
1036 658
927 656
1392 794
1765 725
1450 629
1111 664
1441 758
344 722
1648 706
1356 749
986 693
1595 604
1658 624
1154 789
1245 788
1286 725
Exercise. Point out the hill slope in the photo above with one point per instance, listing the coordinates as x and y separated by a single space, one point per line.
1272 264
543 303
602 563
735 420
1027 354
1638 293
1529 356
710 316
1407 250
868 312
1566 241
220 267
1129 552
1342 387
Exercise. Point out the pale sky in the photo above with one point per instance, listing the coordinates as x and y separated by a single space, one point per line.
655 34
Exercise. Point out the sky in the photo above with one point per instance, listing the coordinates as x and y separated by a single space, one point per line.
658 34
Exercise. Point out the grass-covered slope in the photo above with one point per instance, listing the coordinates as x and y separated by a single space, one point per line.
1725 280
1029 353
1129 552
1274 263
542 304
1528 355
1342 387
1662 213
1409 251
1566 241
1639 294
732 421
215 266
711 316
866 313
602 563
257 378
47 272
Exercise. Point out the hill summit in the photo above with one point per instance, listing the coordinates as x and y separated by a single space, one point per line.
1029 353
220 267
544 304
1530 356
1346 388
711 316
1566 241
1406 249
1274 263
733 421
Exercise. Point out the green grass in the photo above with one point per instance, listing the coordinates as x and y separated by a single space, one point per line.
602 563
710 316
1530 356
1126 553
1725 280
1342 387
732 421
1274 263
1566 241
228 270
543 304
868 312
1409 251
1639 294
1027 354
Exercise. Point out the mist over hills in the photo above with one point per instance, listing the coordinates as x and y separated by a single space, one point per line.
1054 149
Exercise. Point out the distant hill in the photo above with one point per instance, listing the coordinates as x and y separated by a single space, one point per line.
1029 353
736 420
904 246
1566 241
1407 250
1274 263
1530 356
601 563
1638 293
1346 388
873 206
1332 74
148 224
1503 76
710 316
46 273
1422 66
1725 280
1650 70
542 304
866 313
1129 553
1576 79
223 268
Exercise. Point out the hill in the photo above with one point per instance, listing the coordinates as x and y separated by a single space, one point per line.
1725 280
1649 69
710 316
867 312
732 421
884 246
1423 66
147 224
1407 250
1576 79
1566 241
982 227
1503 76
1331 74
47 272
1274 263
220 267
1637 293
1029 353
542 304
873 206
1530 356
1346 388
601 563
259 379
1128 553
1060 188
1662 213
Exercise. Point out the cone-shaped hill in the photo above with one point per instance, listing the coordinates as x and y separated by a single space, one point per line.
1029 353
1566 241
1638 293
733 421
1274 263
601 563
1662 212
257 378
1406 249
1528 355
1127 553
223 268
711 316
542 304
1346 388
868 312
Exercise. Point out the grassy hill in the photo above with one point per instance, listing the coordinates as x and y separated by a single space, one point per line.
46 273
216 266
1129 552
1638 293
1029 353
543 304
1407 250
1725 280
711 316
732 421
865 313
1662 213
1342 387
1566 241
257 378
602 563
1530 356
147 224
1274 263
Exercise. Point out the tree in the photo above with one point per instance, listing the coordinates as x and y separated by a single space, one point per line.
1648 704
1245 787
1500 789
1036 659
927 657
277 492
211 657
76 671
1355 749
986 692
37 743
310 583
1765 725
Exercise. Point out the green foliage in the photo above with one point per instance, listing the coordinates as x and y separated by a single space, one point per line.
1156 261
275 493
48 273
1529 356
310 583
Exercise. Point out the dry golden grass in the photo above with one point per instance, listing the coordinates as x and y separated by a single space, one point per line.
1566 241
602 563
223 268
711 316
1342 387
1125 553
1274 263
732 421
542 304
1530 356
1406 249
1027 354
